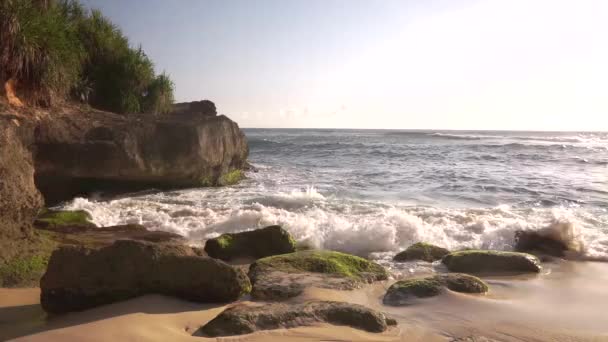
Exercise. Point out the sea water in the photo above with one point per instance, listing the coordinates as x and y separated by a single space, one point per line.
375 192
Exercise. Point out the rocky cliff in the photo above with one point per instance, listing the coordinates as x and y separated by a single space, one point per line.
79 153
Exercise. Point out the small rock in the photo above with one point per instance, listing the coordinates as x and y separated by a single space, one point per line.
256 244
402 292
78 278
482 261
536 242
245 319
285 276
422 251
64 221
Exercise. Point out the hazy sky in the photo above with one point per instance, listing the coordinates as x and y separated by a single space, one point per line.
494 64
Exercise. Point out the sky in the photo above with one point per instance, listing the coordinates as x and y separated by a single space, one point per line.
434 64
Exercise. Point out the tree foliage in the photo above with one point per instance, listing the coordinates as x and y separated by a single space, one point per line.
58 49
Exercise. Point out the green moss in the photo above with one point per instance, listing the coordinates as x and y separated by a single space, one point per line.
401 292
328 262
206 181
422 251
424 287
225 241
231 177
56 218
484 261
259 243
28 263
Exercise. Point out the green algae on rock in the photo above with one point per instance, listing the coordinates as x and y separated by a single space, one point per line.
256 244
64 220
245 319
285 276
79 278
402 292
231 177
483 261
422 251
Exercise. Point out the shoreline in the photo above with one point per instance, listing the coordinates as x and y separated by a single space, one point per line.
564 303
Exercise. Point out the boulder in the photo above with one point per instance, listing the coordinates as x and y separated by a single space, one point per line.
255 244
79 278
91 151
540 242
482 261
284 276
245 319
422 251
402 292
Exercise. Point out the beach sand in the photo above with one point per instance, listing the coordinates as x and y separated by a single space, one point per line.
566 303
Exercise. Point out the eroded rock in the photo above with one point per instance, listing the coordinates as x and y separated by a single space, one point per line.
483 261
284 276
402 292
259 243
422 251
79 278
245 319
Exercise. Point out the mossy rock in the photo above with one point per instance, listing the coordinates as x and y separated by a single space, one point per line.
259 243
422 251
64 221
231 177
326 262
78 278
246 319
482 261
285 276
402 292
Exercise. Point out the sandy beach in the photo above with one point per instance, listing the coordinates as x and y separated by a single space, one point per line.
564 303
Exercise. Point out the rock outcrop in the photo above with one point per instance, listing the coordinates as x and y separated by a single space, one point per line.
482 261
79 278
422 251
245 319
402 292
83 152
285 276
259 243
19 198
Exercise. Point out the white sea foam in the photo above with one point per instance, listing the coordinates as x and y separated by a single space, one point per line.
358 227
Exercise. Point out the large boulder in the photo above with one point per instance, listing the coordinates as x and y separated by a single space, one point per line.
483 261
245 319
89 151
79 278
402 292
422 251
284 276
255 244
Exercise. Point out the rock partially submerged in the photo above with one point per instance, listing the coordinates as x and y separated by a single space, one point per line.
402 292
422 251
482 261
259 243
64 221
285 276
79 278
545 242
245 319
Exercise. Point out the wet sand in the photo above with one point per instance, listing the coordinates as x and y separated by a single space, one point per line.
566 303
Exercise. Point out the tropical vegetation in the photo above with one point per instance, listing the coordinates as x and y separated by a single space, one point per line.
57 50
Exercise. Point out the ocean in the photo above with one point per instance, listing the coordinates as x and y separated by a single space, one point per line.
375 192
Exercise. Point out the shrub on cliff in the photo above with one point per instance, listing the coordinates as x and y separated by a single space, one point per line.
55 49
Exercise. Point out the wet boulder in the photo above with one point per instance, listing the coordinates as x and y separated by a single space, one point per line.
484 261
64 221
540 242
284 276
259 243
402 292
422 251
245 319
78 278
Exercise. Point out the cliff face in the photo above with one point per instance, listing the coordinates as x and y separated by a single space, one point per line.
19 198
85 152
